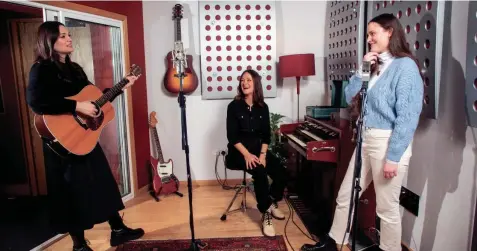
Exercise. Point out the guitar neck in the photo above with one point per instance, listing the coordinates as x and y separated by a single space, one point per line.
158 144
178 30
115 90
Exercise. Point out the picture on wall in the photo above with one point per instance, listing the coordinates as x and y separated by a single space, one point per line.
235 36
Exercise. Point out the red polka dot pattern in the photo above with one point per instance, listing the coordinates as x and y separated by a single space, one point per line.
236 36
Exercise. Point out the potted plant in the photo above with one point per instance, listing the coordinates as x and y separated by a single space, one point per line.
276 148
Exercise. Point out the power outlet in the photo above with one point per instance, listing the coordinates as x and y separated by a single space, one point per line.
409 200
219 152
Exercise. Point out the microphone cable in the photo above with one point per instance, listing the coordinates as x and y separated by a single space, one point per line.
290 215
223 183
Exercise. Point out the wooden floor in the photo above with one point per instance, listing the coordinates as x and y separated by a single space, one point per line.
169 219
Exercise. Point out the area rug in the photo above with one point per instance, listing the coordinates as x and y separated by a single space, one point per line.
229 244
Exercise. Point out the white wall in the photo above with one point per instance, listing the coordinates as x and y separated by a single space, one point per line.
446 181
300 28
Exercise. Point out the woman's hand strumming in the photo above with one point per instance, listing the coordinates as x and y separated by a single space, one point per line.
86 108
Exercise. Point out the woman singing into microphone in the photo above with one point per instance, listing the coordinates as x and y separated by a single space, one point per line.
248 133
392 110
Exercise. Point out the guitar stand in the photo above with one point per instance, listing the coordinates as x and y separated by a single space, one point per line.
156 197
153 195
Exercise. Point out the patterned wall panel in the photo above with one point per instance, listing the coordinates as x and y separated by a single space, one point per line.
471 65
423 24
344 38
235 36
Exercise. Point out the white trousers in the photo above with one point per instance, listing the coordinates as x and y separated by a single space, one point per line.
374 149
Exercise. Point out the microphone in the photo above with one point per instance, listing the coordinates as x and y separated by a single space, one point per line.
178 57
366 71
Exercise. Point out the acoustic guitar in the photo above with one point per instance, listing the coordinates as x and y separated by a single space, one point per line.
77 133
190 81
164 181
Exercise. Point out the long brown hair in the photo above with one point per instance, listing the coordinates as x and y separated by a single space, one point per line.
48 33
257 88
398 47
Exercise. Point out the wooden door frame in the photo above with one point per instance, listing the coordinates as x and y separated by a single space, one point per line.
128 92
33 155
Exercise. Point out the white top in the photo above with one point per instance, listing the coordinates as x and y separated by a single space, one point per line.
385 59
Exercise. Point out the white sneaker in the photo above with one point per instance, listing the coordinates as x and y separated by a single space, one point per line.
277 213
267 224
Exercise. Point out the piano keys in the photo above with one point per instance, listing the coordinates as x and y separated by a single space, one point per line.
313 139
319 154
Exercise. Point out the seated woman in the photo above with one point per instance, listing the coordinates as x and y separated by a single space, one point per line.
248 133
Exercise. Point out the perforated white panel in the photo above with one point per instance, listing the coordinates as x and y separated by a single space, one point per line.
423 24
343 38
235 36
471 65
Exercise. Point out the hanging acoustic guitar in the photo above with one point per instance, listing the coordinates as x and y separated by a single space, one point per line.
171 82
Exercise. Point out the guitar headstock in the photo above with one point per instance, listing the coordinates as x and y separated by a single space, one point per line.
135 70
152 119
177 11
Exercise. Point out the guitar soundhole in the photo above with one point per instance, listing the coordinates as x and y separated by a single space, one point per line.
88 122
95 122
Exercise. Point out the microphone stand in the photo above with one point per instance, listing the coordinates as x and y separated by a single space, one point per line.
356 189
180 62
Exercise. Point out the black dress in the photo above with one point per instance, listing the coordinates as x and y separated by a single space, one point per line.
81 190
250 125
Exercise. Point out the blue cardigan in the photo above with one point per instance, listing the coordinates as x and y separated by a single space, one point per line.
394 102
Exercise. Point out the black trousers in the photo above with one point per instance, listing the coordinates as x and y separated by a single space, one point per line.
265 193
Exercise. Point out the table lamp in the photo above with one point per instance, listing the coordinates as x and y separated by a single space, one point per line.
297 65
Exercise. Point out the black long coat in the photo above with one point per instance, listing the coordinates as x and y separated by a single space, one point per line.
81 189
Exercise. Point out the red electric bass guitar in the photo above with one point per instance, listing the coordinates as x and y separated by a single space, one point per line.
164 181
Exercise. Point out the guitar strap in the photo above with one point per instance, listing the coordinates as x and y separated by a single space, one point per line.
57 148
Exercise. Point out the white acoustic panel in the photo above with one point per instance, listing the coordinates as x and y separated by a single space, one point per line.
422 22
344 38
235 36
471 64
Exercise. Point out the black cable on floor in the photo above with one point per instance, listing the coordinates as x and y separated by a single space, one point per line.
290 215
219 180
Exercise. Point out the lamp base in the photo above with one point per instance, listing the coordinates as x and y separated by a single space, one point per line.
298 98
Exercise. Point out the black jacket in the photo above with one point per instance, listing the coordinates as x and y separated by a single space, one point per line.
51 82
82 190
249 125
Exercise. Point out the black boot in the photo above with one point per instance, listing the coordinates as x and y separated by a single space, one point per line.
84 247
125 234
120 233
325 244
79 242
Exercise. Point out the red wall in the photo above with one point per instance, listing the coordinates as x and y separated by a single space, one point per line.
133 11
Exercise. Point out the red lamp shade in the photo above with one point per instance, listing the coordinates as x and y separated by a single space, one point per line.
297 65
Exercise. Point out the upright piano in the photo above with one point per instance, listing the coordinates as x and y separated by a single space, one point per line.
319 152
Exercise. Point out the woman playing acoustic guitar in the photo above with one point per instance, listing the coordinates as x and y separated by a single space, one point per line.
82 191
